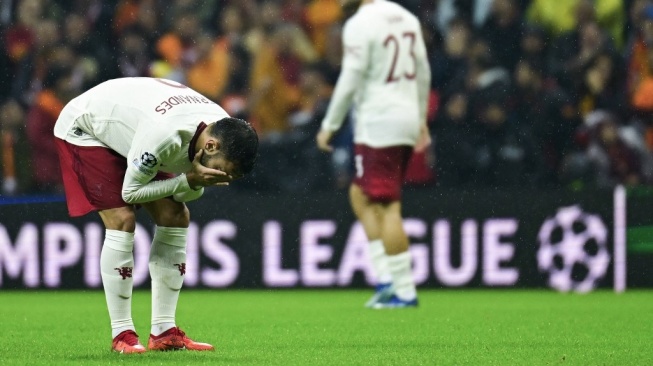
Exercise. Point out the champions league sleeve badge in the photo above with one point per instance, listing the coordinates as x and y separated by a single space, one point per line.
146 163
148 160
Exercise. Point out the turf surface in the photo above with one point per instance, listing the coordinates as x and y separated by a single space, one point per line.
332 328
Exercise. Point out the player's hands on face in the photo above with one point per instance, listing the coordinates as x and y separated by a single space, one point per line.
424 140
323 140
201 176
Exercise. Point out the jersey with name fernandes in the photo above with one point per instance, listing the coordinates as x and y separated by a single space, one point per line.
136 116
150 122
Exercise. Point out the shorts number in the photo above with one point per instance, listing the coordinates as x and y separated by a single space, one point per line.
358 162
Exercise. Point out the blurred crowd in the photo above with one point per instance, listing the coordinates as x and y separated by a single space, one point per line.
525 93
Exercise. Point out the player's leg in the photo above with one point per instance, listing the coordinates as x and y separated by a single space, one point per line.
380 177
116 268
167 261
370 217
92 177
399 258
392 228
167 266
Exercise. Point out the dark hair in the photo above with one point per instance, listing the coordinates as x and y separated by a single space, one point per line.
239 142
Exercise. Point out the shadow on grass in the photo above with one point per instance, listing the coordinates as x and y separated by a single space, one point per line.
159 358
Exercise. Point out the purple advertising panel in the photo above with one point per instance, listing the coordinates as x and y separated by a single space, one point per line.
569 241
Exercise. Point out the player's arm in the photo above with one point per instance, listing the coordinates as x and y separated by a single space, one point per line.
340 103
137 188
354 63
423 77
191 195
342 98
143 162
423 90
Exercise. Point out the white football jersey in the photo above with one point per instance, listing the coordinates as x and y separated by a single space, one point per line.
148 121
384 41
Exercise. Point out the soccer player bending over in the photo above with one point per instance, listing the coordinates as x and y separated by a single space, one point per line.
386 76
154 143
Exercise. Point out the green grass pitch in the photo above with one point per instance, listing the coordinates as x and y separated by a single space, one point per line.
331 327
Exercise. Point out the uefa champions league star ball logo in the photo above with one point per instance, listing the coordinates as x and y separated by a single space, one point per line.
573 250
148 160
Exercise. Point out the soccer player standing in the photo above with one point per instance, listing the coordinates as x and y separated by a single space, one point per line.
157 144
385 75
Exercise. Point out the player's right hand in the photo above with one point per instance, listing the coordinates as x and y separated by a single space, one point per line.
201 176
323 140
424 140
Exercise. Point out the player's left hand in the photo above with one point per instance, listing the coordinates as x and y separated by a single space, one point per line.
200 176
323 140
424 140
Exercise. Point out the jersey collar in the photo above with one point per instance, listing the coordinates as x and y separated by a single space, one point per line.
193 141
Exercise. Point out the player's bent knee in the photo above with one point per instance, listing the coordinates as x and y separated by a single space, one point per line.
122 219
179 216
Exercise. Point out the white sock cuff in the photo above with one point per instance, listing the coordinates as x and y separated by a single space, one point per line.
376 247
399 259
175 236
402 277
119 240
